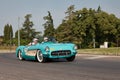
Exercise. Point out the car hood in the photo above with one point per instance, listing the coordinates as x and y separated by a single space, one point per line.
61 46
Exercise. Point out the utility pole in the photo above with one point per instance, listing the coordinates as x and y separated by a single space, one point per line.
18 31
93 42
10 41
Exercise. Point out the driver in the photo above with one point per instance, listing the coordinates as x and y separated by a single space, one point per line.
45 39
35 41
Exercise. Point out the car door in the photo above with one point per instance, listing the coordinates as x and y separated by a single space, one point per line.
30 50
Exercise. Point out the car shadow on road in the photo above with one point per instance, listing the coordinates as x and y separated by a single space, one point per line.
50 61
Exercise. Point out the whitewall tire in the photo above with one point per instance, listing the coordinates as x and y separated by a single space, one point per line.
40 57
20 55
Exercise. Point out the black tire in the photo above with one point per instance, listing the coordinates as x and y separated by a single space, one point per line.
70 58
40 57
20 55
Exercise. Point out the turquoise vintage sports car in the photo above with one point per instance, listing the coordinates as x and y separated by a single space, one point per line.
47 50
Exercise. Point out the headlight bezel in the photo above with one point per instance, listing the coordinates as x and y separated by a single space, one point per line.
75 47
47 49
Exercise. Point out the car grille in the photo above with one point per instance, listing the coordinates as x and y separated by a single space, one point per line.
61 53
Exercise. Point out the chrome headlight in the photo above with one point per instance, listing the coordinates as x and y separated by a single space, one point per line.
75 47
47 49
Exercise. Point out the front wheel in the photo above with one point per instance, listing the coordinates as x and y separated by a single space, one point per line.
20 55
71 58
40 57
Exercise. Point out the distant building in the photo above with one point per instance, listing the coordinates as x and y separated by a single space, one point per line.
105 45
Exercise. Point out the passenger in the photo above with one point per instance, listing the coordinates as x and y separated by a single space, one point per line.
35 41
45 39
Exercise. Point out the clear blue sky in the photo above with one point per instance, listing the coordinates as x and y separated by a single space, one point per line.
10 10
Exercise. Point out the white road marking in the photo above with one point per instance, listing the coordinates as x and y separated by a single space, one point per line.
95 57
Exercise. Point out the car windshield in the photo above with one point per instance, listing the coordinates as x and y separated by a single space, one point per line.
50 39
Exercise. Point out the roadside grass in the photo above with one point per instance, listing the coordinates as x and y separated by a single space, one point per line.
7 47
96 51
101 51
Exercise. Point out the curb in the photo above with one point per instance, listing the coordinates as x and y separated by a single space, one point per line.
97 55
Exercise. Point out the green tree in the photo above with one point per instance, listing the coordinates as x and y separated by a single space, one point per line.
64 32
48 25
6 28
11 31
88 27
105 27
27 32
69 12
27 27
99 9
8 33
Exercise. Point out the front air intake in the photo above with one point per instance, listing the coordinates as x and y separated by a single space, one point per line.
61 53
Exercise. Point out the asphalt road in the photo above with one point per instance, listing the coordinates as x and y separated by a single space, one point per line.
85 67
